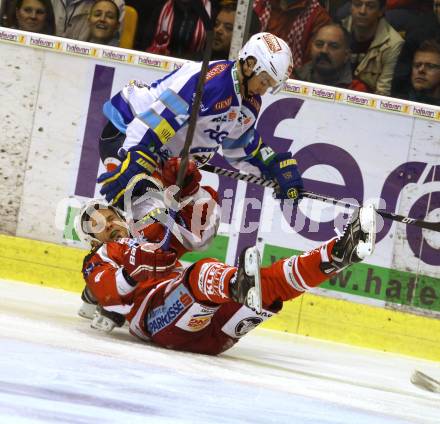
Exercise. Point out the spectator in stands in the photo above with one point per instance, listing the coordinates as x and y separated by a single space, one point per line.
428 29
72 17
375 45
224 26
34 16
330 64
178 30
416 6
104 23
295 21
403 15
424 84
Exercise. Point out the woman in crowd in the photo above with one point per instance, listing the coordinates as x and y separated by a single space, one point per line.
104 23
34 16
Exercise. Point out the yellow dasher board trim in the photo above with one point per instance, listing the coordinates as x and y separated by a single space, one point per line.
361 325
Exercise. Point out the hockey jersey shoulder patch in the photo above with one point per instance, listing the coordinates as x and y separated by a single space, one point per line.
217 69
220 94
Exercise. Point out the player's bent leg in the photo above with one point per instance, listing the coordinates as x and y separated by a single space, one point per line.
209 280
291 277
213 281
216 282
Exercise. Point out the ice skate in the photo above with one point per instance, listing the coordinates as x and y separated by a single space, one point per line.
88 308
104 320
246 288
356 242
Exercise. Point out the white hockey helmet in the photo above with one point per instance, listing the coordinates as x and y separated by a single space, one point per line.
272 54
83 225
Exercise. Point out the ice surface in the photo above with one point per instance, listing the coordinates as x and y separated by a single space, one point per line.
54 368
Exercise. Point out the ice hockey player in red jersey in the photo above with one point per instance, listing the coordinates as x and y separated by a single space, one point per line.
207 307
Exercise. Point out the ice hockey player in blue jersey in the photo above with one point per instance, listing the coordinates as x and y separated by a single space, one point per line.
148 122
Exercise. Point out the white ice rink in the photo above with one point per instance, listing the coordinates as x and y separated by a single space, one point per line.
55 369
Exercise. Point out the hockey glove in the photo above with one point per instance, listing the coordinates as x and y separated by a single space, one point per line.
141 264
283 169
191 181
114 184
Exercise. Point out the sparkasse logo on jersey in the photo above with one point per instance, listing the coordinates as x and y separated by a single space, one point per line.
272 43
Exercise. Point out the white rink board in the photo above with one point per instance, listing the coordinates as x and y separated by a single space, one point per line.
60 86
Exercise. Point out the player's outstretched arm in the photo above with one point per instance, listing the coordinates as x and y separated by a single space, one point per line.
280 167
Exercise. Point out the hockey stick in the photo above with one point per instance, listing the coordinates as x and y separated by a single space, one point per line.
434 226
184 154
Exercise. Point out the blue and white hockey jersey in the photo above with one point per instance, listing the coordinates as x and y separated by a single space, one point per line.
155 116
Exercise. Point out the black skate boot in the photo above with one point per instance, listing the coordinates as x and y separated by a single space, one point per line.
88 308
245 288
356 242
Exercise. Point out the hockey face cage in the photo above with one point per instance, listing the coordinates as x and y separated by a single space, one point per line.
272 54
84 227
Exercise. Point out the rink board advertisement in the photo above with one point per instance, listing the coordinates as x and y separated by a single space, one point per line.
348 145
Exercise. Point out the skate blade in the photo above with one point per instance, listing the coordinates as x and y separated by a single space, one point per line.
102 323
87 310
252 268
367 216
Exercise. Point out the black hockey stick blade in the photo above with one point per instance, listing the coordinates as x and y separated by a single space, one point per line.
433 226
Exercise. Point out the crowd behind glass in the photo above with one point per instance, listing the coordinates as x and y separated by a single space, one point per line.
388 47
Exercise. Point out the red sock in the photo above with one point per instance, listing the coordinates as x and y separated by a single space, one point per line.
209 280
291 277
